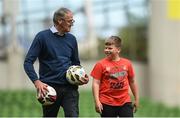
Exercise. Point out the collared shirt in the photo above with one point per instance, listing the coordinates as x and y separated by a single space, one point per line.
55 31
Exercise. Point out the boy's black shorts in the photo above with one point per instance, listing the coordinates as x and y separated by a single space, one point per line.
114 111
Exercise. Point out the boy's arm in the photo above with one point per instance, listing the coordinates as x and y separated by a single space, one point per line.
95 89
134 90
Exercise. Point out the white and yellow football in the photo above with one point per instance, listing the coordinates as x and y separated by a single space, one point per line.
74 73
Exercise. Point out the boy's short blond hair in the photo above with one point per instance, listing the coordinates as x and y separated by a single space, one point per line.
114 40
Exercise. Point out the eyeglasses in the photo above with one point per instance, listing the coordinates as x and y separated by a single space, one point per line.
69 21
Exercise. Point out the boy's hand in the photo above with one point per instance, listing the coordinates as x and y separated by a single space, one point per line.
99 107
135 106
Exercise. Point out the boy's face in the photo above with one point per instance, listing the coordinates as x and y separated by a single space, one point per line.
110 49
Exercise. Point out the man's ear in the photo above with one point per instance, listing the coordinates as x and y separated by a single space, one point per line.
59 21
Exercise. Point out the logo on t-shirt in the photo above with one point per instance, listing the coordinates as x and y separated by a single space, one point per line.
118 75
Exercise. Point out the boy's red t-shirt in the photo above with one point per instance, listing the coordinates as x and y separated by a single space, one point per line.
114 80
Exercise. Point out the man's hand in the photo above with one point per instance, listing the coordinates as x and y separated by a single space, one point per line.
84 80
41 88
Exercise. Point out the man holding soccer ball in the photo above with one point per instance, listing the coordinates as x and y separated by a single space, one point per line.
56 50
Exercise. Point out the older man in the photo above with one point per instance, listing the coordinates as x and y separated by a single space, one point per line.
56 50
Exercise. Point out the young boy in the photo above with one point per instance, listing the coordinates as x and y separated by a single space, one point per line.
112 77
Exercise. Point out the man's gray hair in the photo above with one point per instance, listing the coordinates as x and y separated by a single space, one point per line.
60 13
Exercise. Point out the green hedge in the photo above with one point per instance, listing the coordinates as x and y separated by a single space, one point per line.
24 104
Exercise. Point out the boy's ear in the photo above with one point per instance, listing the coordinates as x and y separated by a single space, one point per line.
119 50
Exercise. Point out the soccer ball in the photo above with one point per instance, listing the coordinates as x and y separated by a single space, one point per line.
74 73
49 98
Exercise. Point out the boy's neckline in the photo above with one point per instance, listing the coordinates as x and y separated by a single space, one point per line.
116 60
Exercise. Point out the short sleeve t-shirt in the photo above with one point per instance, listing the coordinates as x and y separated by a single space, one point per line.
114 80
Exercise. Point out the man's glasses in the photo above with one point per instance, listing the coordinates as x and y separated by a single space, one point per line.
69 21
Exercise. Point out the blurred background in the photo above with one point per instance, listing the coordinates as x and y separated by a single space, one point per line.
150 32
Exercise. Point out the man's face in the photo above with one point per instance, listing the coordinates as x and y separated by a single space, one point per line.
67 22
